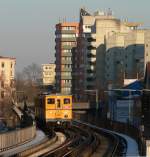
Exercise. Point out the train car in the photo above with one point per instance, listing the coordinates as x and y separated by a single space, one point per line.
55 108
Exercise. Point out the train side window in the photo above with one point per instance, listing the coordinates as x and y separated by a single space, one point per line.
58 103
66 101
50 101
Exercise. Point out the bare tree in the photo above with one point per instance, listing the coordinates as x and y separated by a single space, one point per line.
32 73
6 112
28 81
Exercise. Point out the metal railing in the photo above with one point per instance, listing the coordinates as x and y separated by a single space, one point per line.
14 138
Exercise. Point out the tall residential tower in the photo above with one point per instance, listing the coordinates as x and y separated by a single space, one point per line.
66 43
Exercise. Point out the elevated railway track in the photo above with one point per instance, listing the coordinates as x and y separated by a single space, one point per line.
80 140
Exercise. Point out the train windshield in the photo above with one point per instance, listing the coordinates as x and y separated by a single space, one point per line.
50 101
66 101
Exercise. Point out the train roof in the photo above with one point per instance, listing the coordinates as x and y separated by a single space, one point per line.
55 94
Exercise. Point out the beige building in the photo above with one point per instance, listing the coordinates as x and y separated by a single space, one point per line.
124 57
96 29
7 72
147 47
114 58
48 74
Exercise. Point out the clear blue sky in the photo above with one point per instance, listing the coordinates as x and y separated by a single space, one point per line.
27 26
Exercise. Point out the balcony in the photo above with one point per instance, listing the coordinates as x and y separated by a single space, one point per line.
92 67
68 31
68 39
91 47
93 59
93 44
68 46
91 52
90 39
67 69
91 35
66 85
67 54
92 63
64 77
66 62
90 55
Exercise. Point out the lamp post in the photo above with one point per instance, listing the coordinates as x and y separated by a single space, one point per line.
96 97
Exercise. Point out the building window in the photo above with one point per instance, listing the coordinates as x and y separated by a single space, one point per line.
2 84
2 65
66 101
11 65
50 101
11 74
87 26
68 28
2 94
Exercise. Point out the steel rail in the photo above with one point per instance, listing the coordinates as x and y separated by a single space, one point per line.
82 142
118 146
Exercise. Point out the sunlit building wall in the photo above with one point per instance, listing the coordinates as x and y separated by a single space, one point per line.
48 74
66 41
7 72
124 57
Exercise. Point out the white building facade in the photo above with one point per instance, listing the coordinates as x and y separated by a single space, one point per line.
7 73
48 74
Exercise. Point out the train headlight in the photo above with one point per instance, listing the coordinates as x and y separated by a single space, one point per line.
66 116
58 122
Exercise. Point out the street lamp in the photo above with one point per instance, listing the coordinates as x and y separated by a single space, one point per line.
96 98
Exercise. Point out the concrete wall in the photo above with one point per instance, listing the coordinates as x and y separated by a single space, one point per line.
147 47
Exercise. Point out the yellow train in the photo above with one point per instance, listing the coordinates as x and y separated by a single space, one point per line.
55 108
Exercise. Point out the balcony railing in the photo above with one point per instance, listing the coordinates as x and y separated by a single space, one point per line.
68 46
65 32
64 77
66 69
66 85
90 47
66 62
68 31
69 54
68 39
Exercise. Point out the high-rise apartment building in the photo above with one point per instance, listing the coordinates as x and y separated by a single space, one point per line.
93 31
103 51
66 43
7 72
124 57
134 54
